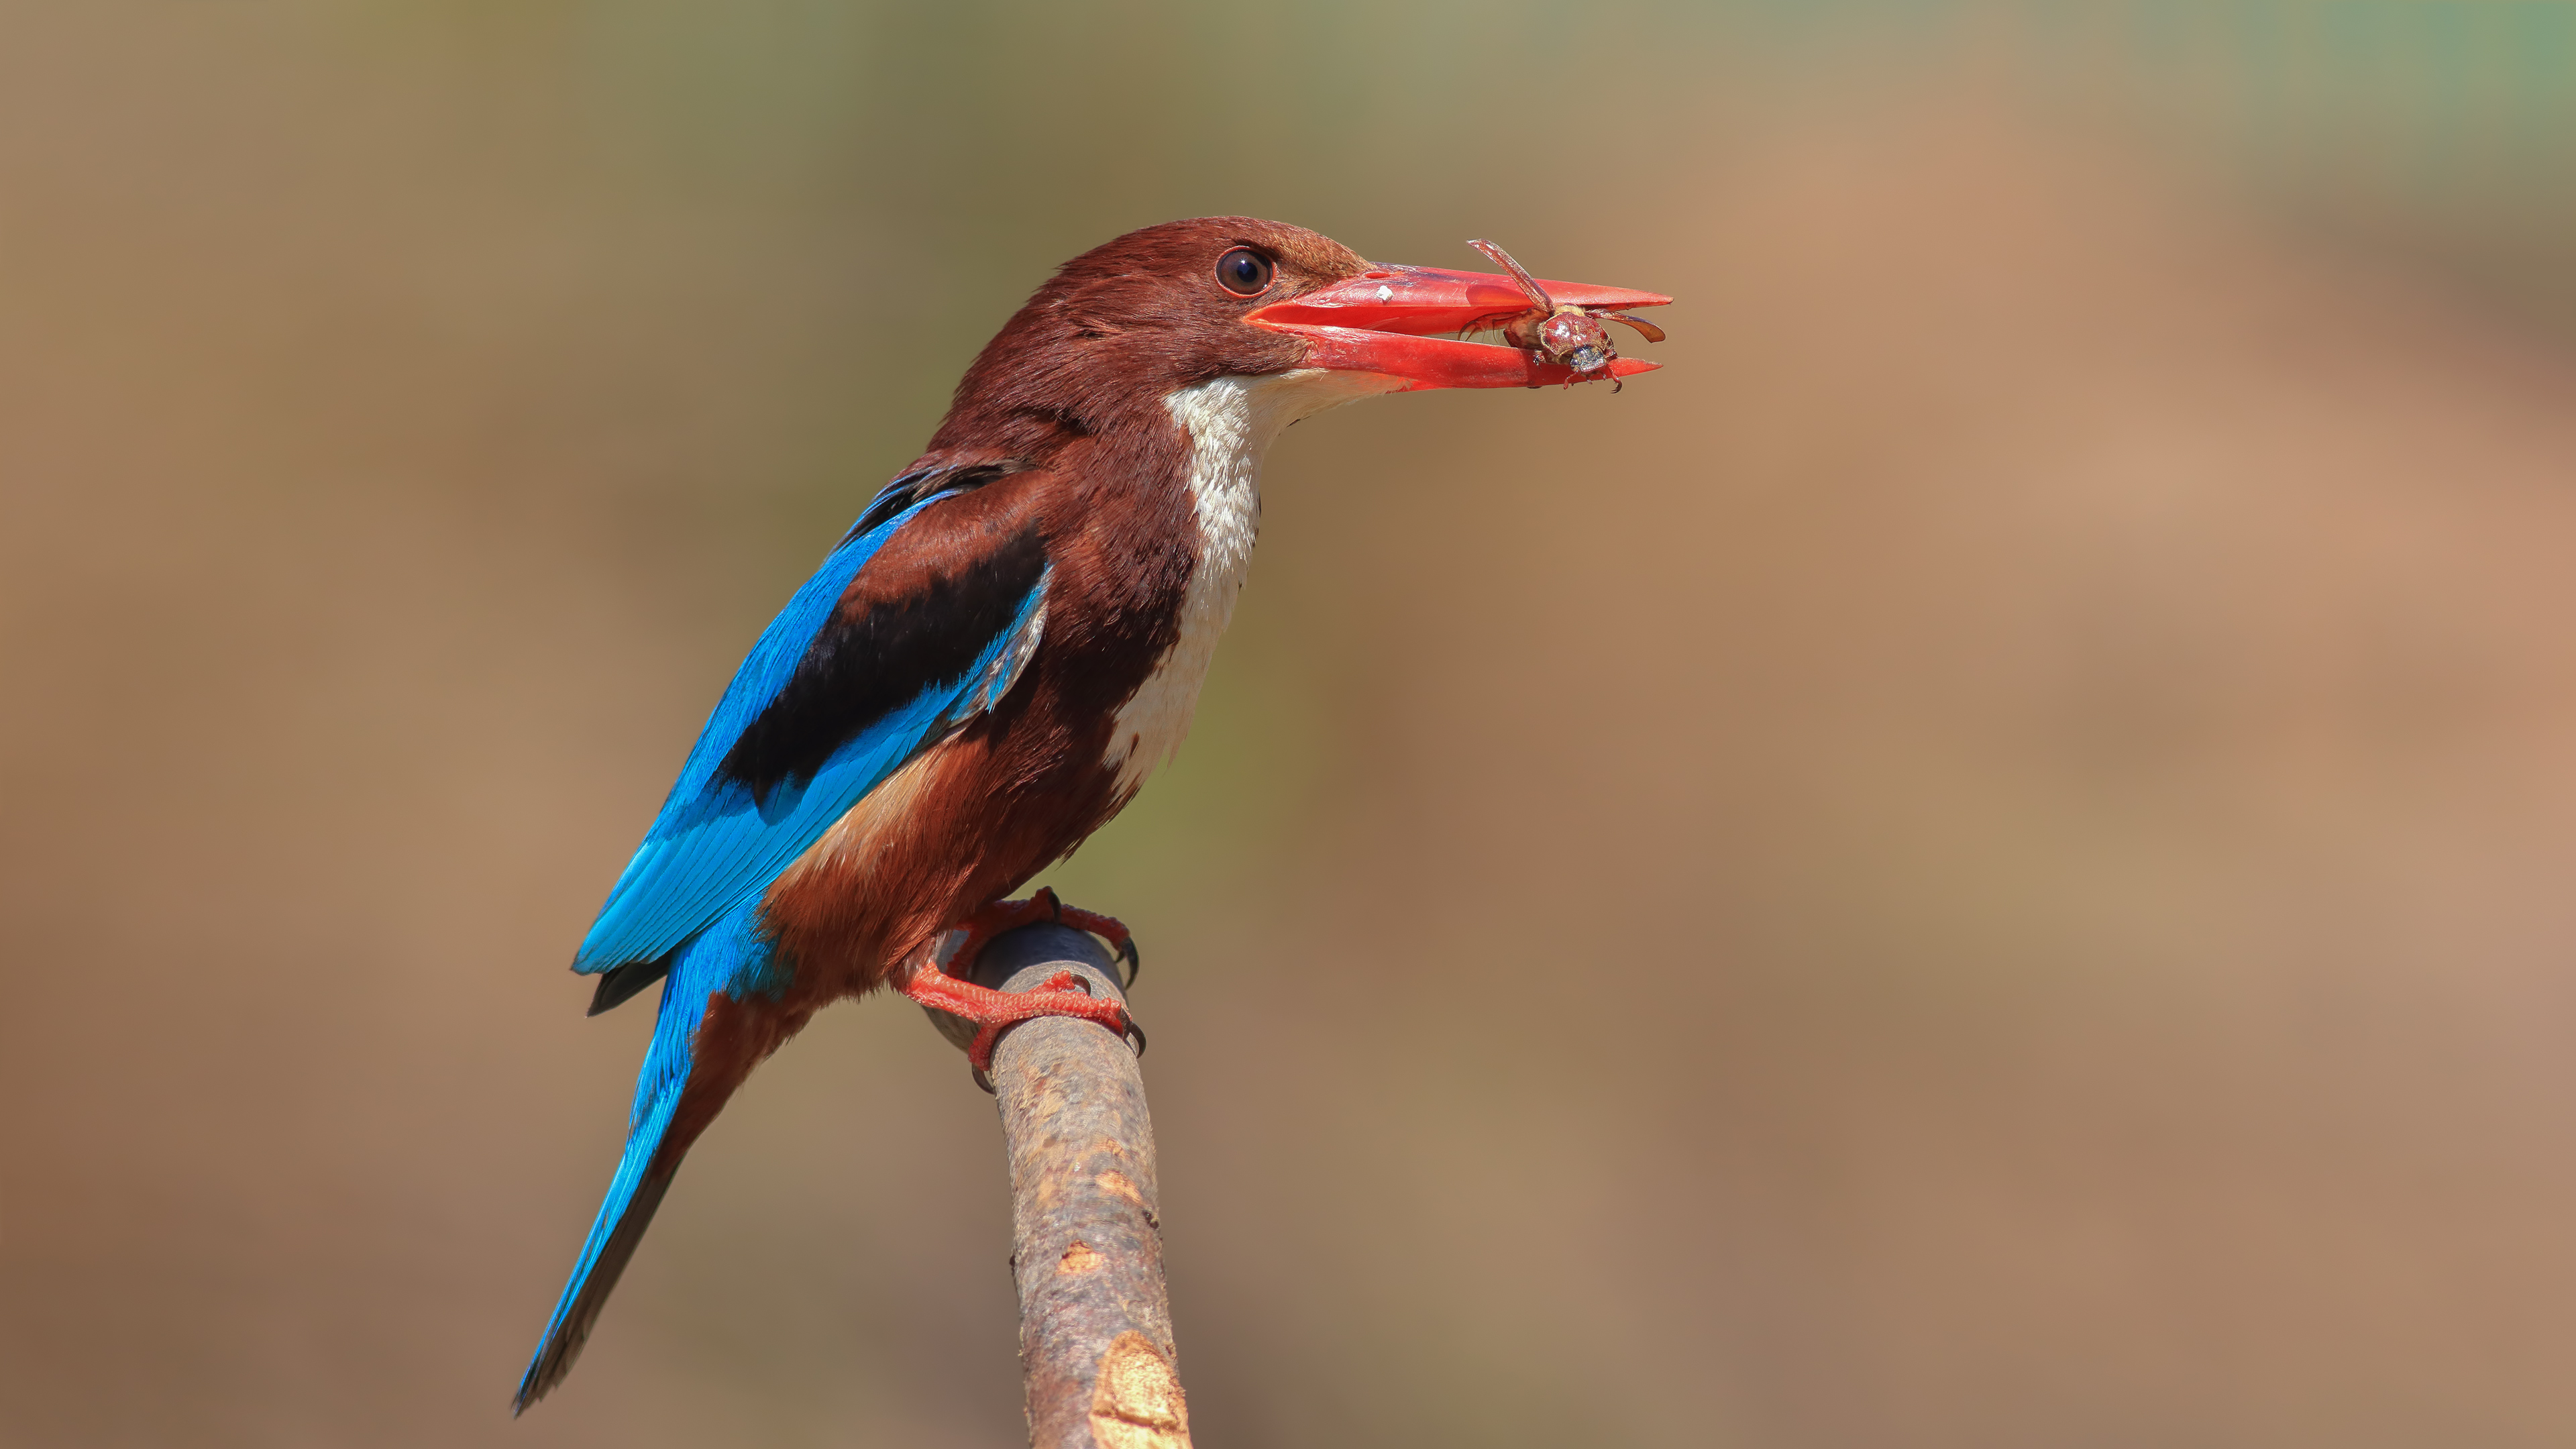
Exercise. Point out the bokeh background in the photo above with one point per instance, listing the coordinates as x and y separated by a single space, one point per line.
1985 860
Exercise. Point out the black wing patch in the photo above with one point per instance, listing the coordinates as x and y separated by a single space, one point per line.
619 984
862 667
930 483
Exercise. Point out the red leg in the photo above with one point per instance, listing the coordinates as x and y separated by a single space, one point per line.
1041 905
1063 994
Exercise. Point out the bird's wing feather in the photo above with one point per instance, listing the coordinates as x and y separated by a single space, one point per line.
909 629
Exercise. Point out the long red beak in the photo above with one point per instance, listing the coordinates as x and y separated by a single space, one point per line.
1378 322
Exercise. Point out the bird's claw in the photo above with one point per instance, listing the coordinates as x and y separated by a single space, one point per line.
1049 998
1044 905
1128 1032
942 990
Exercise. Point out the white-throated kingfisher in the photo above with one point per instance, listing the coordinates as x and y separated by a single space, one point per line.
992 660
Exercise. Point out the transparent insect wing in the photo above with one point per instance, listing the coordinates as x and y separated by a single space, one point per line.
1528 284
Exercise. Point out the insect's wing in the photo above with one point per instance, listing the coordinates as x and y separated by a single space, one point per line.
1529 284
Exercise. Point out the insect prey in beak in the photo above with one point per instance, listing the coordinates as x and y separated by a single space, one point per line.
1561 332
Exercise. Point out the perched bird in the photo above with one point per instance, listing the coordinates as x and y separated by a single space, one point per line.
984 671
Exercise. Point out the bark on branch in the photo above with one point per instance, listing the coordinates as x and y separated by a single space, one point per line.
1096 1349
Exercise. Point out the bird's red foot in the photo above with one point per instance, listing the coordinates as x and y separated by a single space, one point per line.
1042 905
991 1012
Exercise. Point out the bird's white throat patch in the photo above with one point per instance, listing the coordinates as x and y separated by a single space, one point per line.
1231 422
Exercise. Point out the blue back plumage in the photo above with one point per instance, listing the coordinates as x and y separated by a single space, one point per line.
825 708
716 841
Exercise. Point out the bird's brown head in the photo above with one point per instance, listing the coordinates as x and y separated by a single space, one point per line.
1134 321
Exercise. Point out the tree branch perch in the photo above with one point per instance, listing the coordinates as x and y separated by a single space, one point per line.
1096 1349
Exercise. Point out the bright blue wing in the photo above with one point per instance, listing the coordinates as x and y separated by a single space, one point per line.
718 840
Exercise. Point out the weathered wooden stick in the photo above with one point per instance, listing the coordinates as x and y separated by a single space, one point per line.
1096 1349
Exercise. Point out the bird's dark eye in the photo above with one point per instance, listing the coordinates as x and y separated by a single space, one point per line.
1244 272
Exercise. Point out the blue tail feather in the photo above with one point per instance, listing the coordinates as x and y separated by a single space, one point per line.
733 957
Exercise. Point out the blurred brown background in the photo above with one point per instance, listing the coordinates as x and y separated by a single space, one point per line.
1983 861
